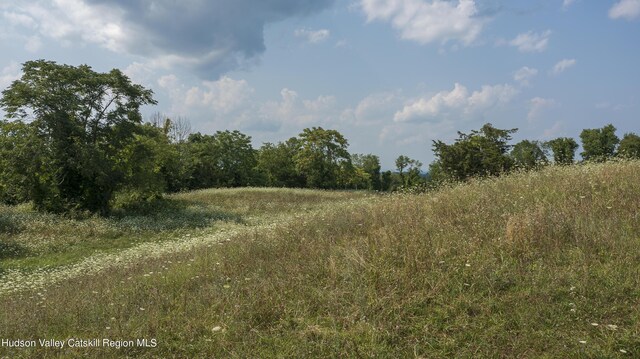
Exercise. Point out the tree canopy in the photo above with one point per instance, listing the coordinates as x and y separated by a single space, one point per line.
480 153
74 140
629 146
528 155
321 156
599 144
81 121
564 150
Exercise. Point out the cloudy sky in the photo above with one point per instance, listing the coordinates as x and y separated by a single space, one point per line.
391 75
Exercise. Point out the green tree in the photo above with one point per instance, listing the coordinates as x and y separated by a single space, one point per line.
202 161
599 144
225 159
21 162
386 181
236 159
479 153
369 164
564 149
629 146
277 163
147 164
320 157
402 162
528 154
412 174
82 121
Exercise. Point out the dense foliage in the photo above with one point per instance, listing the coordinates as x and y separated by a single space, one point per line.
73 140
72 133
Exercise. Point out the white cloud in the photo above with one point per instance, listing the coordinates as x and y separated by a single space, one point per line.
456 102
373 109
17 19
209 37
291 111
33 44
563 65
531 41
222 96
524 75
567 3
9 74
320 104
537 105
554 131
312 36
625 9
168 82
141 73
428 21
73 20
216 98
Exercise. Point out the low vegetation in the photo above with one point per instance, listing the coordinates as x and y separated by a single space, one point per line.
529 265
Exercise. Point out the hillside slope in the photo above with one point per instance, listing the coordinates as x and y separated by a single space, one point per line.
543 264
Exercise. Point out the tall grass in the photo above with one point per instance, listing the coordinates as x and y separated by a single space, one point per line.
542 264
30 240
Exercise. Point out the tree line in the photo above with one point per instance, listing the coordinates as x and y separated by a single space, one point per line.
74 140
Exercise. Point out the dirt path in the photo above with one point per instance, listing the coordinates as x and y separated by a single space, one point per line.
15 281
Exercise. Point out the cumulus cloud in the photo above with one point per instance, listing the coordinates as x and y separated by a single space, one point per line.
428 21
531 41
455 102
219 97
373 109
537 105
223 96
33 44
9 74
524 75
18 19
312 36
292 111
625 9
563 65
210 37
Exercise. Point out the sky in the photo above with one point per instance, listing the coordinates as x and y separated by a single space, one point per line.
390 75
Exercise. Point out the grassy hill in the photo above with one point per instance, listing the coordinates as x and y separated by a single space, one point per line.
542 264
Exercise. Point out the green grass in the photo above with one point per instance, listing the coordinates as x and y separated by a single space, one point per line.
31 240
531 265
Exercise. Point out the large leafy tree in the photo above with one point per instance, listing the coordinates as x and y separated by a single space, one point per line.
480 153
528 154
564 150
225 159
81 120
235 159
370 165
277 164
599 144
629 146
320 157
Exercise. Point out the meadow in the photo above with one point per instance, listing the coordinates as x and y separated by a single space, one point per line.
542 264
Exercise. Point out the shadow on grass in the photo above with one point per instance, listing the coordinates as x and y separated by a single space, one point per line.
169 214
11 249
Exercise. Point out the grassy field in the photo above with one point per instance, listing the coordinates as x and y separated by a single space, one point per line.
531 265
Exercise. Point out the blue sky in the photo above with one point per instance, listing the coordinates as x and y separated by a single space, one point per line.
390 75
